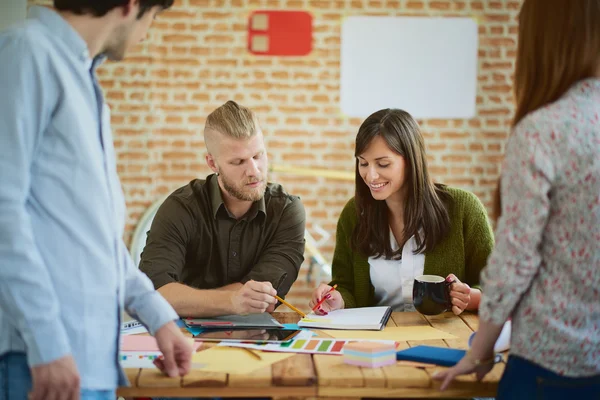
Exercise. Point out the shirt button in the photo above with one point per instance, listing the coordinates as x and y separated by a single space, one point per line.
233 253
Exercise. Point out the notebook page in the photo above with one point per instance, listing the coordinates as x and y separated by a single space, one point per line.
351 318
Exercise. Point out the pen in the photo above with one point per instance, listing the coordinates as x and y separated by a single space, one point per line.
290 306
323 299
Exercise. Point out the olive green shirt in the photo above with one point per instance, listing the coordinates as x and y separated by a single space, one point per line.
463 252
194 239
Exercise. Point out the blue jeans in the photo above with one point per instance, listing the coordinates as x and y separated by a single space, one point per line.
15 380
524 380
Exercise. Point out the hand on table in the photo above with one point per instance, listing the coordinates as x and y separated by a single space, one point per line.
460 294
334 300
56 380
254 298
176 348
465 366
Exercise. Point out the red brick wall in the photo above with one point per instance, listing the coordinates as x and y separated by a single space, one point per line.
195 59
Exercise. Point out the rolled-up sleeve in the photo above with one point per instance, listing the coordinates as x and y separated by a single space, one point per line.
163 257
281 260
141 300
527 177
27 295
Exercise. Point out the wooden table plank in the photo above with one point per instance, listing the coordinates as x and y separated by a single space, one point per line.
409 319
398 376
206 392
199 378
154 378
471 319
374 377
259 378
448 322
295 371
332 371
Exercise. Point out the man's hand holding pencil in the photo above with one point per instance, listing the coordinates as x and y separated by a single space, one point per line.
254 298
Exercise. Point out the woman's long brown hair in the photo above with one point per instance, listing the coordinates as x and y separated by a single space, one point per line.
425 203
559 45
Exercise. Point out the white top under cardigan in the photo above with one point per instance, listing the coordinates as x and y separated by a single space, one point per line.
393 279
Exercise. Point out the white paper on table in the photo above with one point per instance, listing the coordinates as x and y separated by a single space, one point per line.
138 359
134 331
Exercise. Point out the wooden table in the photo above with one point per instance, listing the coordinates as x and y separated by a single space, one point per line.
322 376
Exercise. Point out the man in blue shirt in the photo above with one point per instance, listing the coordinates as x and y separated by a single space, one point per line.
65 273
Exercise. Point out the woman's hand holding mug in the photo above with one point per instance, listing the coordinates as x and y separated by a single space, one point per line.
460 294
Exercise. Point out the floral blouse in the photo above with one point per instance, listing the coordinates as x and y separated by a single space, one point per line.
545 269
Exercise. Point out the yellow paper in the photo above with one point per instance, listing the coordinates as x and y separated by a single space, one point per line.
399 334
233 360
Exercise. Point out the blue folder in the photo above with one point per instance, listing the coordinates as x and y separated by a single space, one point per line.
431 355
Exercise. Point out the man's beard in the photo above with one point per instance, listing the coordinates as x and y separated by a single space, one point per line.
241 191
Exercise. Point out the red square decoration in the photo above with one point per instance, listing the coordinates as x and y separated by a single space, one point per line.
280 33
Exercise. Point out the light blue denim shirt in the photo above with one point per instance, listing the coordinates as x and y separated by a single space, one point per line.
65 273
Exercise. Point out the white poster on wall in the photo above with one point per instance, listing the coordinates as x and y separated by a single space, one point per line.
426 66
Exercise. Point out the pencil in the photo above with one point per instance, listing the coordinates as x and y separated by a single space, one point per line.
290 306
254 354
324 298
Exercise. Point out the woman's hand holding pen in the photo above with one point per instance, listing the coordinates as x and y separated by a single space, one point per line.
253 298
333 299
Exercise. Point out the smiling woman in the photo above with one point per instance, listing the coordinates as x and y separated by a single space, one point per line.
401 224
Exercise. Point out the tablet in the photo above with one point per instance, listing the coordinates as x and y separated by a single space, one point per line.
248 335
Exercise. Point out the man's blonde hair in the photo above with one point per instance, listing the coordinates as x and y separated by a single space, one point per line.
233 120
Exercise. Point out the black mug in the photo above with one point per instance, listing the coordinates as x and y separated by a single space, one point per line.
431 294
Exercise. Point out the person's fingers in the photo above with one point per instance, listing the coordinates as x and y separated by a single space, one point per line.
169 363
262 297
460 294
52 393
39 390
459 303
460 297
74 393
447 380
457 310
262 287
257 304
158 363
184 361
460 288
445 376
322 290
452 277
320 311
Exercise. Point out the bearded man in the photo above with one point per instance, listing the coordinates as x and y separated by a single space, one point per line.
227 244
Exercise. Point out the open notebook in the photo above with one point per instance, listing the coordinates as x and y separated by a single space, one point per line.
366 318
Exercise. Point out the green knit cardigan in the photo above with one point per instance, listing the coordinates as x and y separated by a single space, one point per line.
464 252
